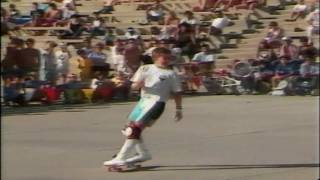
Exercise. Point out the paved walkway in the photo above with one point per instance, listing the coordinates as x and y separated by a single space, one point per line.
220 138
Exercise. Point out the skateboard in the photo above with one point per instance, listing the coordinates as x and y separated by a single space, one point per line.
124 168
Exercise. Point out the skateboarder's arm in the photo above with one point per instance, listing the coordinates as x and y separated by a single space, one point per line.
137 85
178 101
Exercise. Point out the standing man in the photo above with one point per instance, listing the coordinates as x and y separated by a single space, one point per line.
157 83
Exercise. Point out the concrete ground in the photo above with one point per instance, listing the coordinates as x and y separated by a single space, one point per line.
220 138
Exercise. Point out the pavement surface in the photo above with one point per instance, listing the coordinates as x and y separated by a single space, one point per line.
220 138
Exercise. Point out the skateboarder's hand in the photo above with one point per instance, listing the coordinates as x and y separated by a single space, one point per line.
178 115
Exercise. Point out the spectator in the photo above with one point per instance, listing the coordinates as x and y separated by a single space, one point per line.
98 27
13 11
75 27
205 59
288 49
31 57
99 60
121 86
13 91
109 37
273 37
205 55
13 58
204 5
84 65
107 6
62 57
313 21
298 11
132 34
307 49
172 19
218 24
48 63
68 4
132 56
185 39
68 12
283 71
36 11
155 13
53 14
191 20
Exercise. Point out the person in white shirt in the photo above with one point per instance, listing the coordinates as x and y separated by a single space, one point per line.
205 59
299 10
313 21
157 82
131 34
205 55
218 24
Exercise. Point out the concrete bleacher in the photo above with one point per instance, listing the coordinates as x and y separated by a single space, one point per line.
127 15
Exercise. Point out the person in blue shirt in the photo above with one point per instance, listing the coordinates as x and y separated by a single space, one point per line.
282 71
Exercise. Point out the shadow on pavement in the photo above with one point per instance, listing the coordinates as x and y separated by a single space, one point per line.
38 109
221 167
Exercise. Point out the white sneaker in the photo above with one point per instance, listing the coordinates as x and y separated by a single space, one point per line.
114 162
143 153
123 153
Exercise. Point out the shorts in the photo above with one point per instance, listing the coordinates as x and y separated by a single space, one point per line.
152 115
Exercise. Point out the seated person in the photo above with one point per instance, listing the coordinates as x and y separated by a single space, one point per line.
156 13
121 85
206 59
13 92
313 21
108 6
132 34
298 11
283 70
288 49
53 14
205 55
218 24
273 37
307 49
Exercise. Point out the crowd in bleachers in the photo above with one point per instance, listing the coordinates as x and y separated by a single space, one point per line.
99 68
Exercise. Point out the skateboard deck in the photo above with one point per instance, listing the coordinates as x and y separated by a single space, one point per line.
143 106
123 168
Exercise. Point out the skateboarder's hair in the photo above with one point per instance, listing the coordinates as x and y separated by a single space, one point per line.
159 51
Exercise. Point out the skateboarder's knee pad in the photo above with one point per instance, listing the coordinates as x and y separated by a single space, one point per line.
132 132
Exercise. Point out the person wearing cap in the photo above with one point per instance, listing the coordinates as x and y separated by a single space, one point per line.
288 49
313 21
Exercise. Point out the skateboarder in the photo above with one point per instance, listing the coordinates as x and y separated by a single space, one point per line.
160 82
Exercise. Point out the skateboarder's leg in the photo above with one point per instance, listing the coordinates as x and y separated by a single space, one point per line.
133 135
143 153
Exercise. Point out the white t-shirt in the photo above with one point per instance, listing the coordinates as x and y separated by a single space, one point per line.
220 23
157 81
193 21
300 8
202 57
